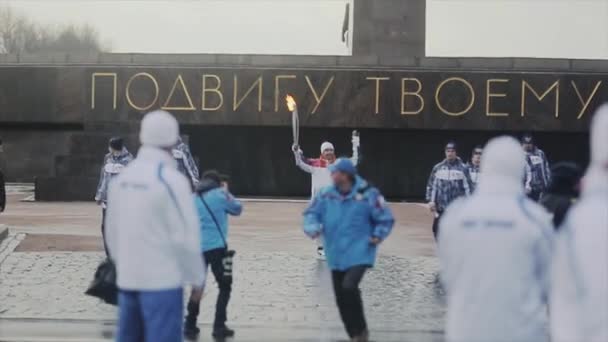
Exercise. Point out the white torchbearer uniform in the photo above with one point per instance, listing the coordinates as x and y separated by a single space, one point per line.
495 250
320 177
579 295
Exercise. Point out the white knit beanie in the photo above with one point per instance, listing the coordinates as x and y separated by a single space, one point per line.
159 129
504 158
326 146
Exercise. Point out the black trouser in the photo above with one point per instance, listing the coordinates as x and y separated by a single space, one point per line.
214 259
436 221
103 230
348 298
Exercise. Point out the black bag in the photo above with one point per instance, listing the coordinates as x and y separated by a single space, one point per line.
103 285
228 254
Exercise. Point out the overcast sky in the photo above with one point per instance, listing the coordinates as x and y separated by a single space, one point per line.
454 28
202 26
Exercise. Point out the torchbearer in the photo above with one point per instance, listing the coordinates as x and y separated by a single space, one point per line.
354 219
318 167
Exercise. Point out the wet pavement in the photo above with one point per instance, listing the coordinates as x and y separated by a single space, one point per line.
281 291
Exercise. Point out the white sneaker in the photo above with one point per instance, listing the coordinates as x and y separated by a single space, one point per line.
320 253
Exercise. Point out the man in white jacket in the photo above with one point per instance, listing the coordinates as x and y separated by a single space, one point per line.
153 237
579 293
494 250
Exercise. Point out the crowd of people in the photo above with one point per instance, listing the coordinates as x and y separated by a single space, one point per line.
496 216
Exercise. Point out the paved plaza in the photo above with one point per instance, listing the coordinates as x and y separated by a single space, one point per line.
281 291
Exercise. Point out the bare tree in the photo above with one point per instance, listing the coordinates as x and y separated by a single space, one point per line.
19 35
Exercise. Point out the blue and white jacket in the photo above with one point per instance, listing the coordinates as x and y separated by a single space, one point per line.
185 163
221 203
112 166
474 172
347 223
538 173
448 181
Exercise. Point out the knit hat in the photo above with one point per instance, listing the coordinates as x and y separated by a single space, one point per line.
116 143
503 157
599 137
343 165
159 129
326 146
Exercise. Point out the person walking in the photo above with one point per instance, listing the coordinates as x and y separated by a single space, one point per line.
153 237
354 219
473 167
449 180
538 172
579 292
113 163
494 251
185 162
319 172
214 203
562 191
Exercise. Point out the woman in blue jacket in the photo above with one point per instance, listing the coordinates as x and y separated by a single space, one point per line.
354 219
214 203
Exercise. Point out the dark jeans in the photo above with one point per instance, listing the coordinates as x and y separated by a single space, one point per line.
348 298
214 259
436 221
103 230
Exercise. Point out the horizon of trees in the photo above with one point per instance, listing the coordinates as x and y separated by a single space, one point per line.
18 34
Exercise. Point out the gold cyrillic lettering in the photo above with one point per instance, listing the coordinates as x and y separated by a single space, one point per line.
585 103
216 90
277 91
103 74
490 94
179 80
236 103
416 93
314 93
128 91
457 79
525 85
377 79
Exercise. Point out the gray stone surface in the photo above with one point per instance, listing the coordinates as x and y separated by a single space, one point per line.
589 65
399 61
281 60
486 63
541 64
439 63
3 232
269 289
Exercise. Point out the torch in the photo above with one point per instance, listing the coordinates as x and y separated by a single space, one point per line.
295 120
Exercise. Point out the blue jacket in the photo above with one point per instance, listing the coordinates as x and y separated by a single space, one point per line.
348 222
538 171
221 202
448 181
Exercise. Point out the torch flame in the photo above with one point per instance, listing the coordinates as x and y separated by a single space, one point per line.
291 103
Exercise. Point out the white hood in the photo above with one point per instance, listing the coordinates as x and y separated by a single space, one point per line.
502 166
597 175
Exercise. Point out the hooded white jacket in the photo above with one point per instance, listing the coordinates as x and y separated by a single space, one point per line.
152 225
495 250
579 295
